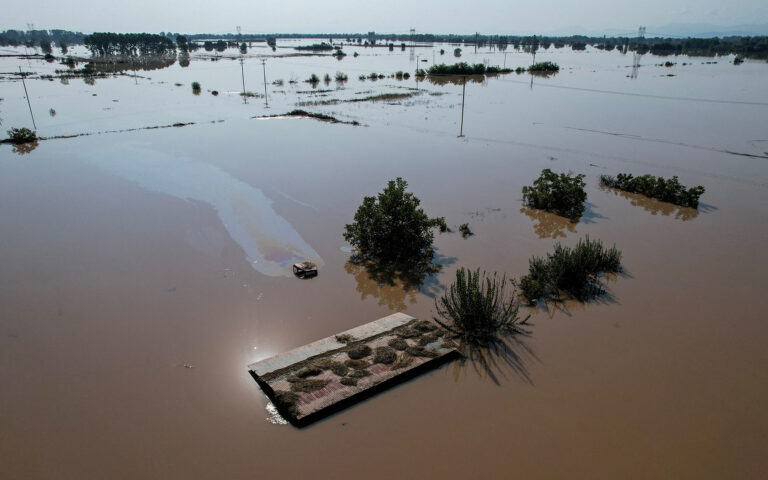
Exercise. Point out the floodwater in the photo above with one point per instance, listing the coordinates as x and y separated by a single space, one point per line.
142 271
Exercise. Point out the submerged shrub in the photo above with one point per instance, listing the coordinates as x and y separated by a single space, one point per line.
561 194
341 77
570 271
465 231
391 227
666 190
195 87
312 79
21 135
478 307
544 67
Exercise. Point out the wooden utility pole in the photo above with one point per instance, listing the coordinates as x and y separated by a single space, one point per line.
264 69
27 95
242 74
463 91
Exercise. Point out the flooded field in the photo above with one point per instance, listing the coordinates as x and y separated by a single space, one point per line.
144 269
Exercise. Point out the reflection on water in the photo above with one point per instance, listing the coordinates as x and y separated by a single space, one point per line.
392 284
118 64
455 79
270 243
273 416
24 148
509 353
549 225
656 206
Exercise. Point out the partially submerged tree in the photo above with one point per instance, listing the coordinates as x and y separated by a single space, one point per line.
561 194
391 228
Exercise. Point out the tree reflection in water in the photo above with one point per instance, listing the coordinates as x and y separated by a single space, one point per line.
549 225
24 148
395 283
654 206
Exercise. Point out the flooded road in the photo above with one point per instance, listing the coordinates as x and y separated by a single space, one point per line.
143 271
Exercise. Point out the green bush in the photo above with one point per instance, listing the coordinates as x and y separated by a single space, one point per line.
561 194
478 307
195 87
392 227
570 271
456 52
464 229
313 79
21 135
544 67
666 190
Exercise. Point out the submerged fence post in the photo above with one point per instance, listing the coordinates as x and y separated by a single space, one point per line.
463 91
27 95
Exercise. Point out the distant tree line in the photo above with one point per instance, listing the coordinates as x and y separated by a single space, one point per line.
33 38
129 44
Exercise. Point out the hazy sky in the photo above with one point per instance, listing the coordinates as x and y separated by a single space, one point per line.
385 16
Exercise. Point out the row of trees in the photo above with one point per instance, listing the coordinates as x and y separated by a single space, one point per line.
101 44
33 38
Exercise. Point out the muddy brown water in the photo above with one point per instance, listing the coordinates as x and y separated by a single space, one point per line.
140 275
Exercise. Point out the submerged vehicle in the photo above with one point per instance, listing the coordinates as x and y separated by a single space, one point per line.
304 269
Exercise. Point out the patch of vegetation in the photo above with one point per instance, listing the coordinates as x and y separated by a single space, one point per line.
478 307
456 52
570 272
402 361
21 135
339 369
408 333
424 326
464 68
544 67
287 402
359 351
442 225
348 381
391 227
345 338
359 374
315 47
312 79
561 194
465 231
195 88
666 190
385 355
398 344
419 351
427 339
310 371
308 385
357 364
341 77
578 46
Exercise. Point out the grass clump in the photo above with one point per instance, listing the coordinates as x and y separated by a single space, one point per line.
398 344
357 364
392 227
359 373
666 190
305 385
478 307
339 369
385 355
465 231
570 271
562 194
348 381
408 333
341 77
427 339
287 402
21 135
312 79
419 351
345 338
359 351
402 361
424 326
310 371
